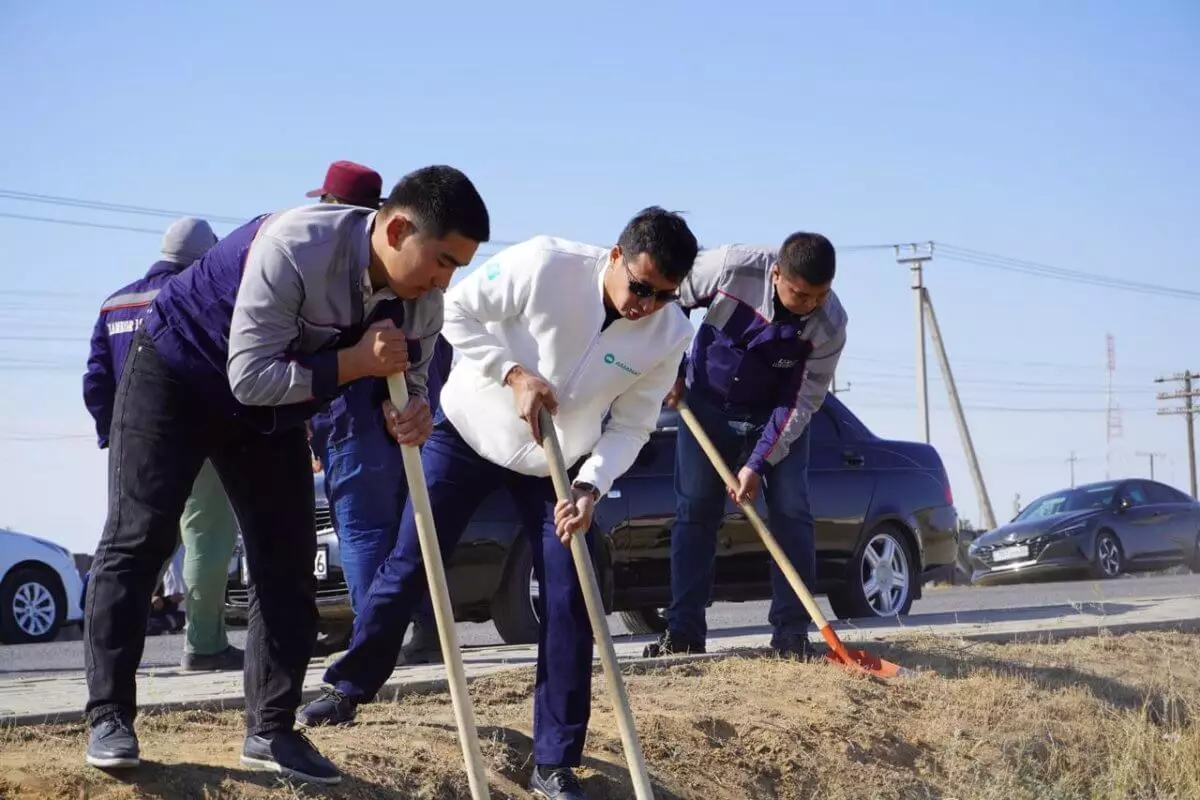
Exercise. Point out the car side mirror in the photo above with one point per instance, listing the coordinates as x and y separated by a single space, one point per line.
1124 504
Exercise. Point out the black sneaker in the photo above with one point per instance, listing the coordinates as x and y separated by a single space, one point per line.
331 708
671 644
230 659
556 783
423 648
795 646
290 754
112 744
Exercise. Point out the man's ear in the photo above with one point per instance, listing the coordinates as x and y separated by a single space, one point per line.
615 254
399 228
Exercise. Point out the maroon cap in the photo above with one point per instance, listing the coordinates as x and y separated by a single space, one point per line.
352 183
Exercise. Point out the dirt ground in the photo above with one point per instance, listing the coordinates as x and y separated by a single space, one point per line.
1107 717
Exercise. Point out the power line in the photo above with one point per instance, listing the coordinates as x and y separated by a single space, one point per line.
98 205
121 208
949 251
80 223
896 360
981 258
1003 409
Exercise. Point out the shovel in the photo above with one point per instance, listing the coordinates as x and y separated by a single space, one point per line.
443 613
856 660
595 608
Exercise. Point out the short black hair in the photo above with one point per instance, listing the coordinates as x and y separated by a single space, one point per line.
442 200
665 237
809 257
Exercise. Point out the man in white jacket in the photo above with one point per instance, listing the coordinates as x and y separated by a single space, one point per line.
584 331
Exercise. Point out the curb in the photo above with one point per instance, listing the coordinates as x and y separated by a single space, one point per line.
395 689
392 691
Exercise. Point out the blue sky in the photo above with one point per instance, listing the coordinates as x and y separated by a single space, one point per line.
1058 133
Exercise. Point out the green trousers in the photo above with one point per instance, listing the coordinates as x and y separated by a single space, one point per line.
209 531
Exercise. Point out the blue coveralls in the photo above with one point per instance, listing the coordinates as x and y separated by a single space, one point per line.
364 471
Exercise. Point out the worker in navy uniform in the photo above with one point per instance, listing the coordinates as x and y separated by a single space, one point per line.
757 371
239 350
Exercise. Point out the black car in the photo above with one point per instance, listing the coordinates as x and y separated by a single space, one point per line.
885 521
1099 530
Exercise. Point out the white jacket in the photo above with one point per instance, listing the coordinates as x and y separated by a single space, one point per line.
540 304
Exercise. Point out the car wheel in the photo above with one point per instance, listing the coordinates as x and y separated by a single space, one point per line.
32 606
1195 563
515 606
880 578
644 620
1110 561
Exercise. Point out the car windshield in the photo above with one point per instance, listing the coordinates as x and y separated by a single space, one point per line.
1081 499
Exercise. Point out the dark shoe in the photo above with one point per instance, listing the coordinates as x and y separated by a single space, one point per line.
556 783
671 644
112 744
229 659
795 646
423 648
290 754
331 708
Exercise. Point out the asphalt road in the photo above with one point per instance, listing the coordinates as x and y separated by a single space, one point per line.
57 657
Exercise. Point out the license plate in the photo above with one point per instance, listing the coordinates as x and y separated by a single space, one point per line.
1011 553
320 566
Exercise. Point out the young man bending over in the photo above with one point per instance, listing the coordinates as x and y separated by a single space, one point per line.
583 331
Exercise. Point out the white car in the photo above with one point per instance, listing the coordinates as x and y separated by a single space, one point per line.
40 589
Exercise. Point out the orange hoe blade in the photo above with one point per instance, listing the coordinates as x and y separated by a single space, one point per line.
858 661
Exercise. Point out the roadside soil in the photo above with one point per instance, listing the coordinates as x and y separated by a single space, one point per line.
1102 717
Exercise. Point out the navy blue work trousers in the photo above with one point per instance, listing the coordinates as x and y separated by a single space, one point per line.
459 480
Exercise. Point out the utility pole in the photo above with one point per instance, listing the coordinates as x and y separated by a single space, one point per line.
1151 457
1188 410
1072 461
1113 421
916 260
1016 504
939 346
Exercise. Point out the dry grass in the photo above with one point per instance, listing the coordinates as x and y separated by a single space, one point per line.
1106 717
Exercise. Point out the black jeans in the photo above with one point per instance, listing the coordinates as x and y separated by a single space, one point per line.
162 432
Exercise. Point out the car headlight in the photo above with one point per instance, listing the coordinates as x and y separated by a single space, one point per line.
1070 530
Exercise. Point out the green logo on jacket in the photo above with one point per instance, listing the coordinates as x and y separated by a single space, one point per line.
609 358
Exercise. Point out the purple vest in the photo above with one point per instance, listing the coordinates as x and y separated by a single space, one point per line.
189 323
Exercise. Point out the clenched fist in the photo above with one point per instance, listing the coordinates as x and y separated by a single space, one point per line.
382 351
413 425
673 397
531 394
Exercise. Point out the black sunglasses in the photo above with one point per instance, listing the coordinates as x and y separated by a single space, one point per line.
644 290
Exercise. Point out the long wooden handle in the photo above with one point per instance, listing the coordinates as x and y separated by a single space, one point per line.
595 608
773 547
443 612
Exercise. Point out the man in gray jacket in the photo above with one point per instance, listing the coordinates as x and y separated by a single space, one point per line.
238 351
758 370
